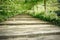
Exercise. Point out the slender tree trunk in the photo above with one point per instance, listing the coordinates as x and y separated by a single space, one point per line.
45 5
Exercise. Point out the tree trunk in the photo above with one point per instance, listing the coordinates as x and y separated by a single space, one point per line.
45 5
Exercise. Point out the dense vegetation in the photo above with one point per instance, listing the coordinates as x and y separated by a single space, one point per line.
47 14
46 10
9 8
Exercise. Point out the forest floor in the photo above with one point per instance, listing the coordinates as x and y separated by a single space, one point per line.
26 27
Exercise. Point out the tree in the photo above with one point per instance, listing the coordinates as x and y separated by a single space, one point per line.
45 5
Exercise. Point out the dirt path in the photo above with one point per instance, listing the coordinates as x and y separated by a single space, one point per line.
25 27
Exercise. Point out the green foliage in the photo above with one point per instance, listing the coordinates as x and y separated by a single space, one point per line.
52 5
9 8
50 15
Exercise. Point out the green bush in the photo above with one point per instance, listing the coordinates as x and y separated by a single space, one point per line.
51 17
9 8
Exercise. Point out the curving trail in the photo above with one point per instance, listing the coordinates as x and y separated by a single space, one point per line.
26 27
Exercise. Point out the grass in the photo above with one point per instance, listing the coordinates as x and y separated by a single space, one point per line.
50 17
